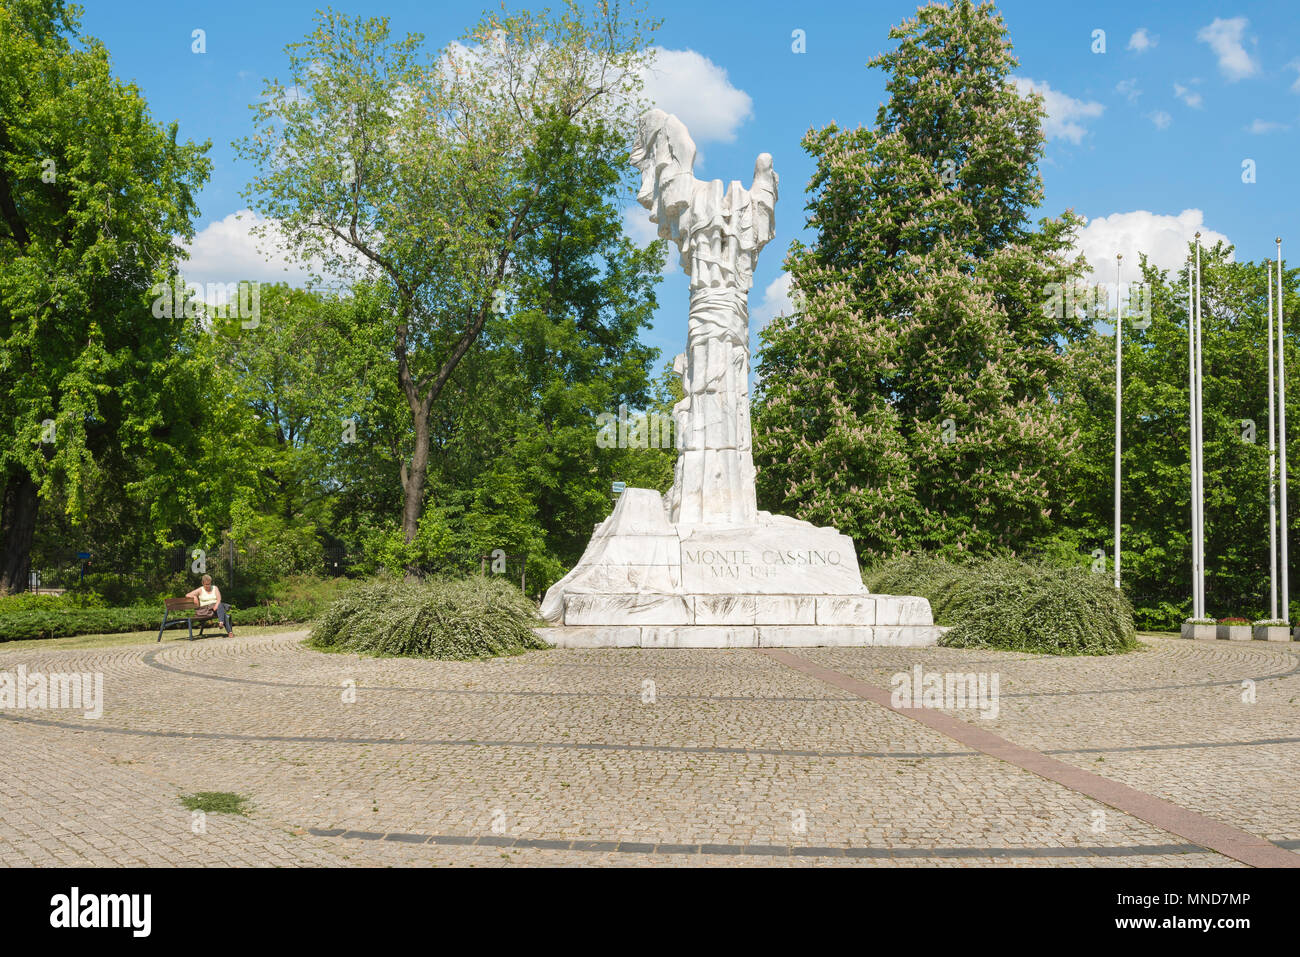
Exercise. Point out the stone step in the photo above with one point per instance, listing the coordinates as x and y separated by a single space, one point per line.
741 636
746 609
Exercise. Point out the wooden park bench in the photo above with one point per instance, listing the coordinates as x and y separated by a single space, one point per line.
185 611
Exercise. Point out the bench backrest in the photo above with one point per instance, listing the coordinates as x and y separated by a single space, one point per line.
177 604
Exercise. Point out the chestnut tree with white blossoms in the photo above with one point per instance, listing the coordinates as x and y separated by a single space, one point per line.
911 399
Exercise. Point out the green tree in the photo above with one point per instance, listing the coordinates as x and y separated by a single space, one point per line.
1156 528
305 375
93 196
910 399
412 171
585 294
516 464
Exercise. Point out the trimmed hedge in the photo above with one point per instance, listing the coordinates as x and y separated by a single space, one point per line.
1015 605
31 601
458 619
65 622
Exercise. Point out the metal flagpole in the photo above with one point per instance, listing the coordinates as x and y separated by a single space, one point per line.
1281 427
1191 424
1272 457
1200 446
1119 405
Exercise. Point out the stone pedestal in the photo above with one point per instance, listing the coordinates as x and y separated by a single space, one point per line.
644 582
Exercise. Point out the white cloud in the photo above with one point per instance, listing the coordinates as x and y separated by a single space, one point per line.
1141 41
1225 39
1163 238
1065 114
1295 65
1262 127
1161 119
775 302
1190 97
226 250
1128 89
698 91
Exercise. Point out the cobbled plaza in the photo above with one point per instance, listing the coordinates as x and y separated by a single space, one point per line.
649 757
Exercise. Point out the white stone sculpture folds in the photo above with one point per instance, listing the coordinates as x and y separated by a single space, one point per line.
706 568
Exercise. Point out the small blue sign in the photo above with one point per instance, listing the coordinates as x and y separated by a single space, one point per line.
618 487
84 556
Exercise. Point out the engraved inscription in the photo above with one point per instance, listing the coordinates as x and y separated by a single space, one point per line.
735 563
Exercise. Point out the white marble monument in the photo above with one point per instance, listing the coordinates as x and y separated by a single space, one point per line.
705 568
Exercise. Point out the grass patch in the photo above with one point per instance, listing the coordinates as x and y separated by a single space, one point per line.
1014 605
454 619
216 802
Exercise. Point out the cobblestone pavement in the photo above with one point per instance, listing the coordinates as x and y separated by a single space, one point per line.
638 757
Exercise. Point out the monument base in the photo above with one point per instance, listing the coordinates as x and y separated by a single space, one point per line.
644 582
751 636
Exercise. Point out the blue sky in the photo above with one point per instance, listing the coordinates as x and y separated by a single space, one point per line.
1155 129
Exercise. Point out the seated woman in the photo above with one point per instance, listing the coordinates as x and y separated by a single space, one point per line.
209 595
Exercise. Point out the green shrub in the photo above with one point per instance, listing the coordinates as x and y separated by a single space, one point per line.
118 590
1015 605
268 546
305 587
476 617
31 601
64 622
1160 615
277 613
387 548
176 584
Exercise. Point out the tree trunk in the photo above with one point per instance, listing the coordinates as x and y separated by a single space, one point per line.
420 397
18 507
413 486
413 479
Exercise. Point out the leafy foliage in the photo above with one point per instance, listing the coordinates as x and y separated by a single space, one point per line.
417 172
518 466
1156 448
477 617
31 601
47 622
94 196
909 400
1014 605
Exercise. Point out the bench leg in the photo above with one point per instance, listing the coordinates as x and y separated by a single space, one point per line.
160 629
189 624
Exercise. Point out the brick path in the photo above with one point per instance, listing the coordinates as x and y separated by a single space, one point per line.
557 758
